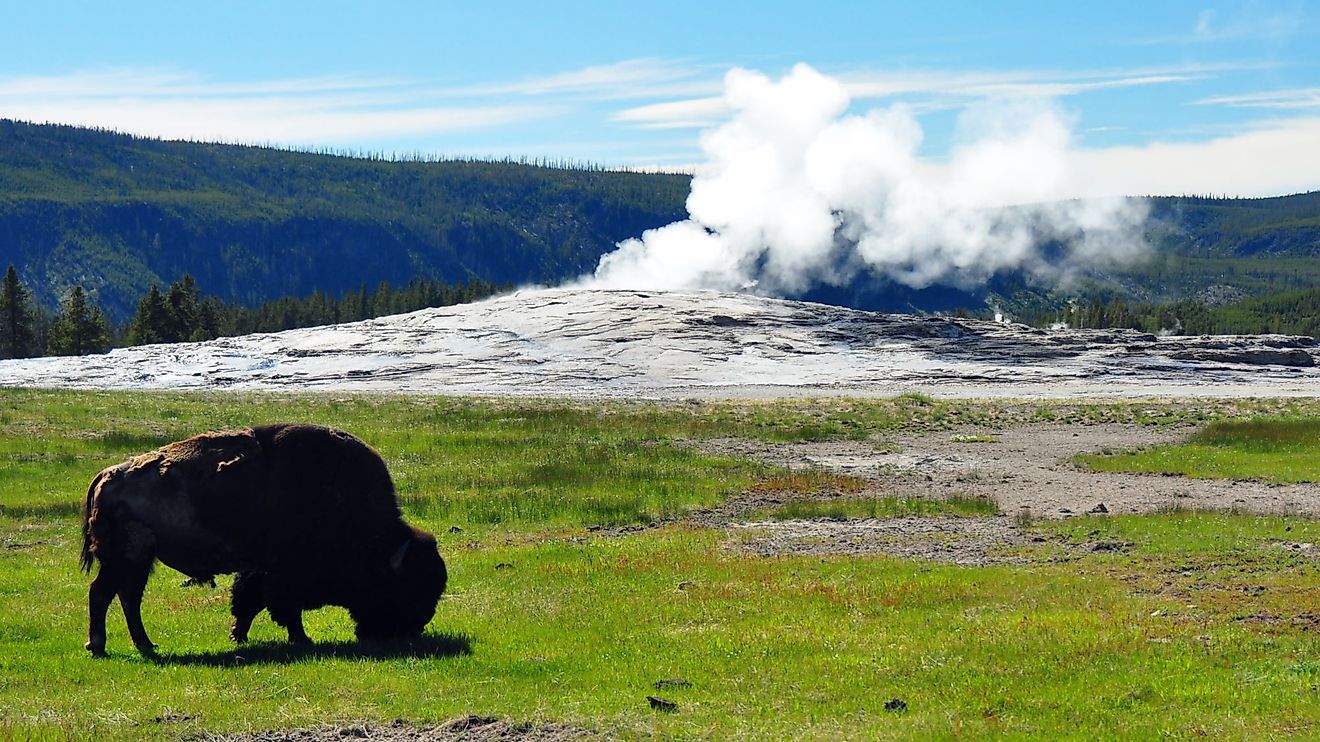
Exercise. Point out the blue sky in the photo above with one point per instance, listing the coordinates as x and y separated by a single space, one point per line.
1225 93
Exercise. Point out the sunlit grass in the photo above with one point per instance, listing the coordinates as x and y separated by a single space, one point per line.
1282 450
880 507
578 631
1198 625
462 462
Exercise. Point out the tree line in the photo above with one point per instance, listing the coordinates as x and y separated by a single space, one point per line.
1294 312
181 313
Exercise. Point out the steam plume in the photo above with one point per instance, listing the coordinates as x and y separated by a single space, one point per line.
797 192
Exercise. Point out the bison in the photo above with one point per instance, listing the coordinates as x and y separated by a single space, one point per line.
306 515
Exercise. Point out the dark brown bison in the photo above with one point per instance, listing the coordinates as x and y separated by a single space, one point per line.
305 515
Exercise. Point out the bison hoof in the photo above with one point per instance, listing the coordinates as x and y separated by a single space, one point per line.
239 637
96 648
146 650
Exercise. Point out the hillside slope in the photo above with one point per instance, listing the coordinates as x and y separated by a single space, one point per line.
1242 227
117 213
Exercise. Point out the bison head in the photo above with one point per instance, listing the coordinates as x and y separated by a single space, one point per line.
404 597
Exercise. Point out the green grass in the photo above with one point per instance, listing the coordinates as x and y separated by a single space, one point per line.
880 507
456 461
774 648
1200 626
1282 450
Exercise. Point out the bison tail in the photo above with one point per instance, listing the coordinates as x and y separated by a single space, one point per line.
86 557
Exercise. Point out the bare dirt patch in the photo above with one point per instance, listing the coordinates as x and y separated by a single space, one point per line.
1026 470
967 541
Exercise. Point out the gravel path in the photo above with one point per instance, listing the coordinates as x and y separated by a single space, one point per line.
1028 468
1025 470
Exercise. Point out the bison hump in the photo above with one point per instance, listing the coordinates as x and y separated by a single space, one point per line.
200 457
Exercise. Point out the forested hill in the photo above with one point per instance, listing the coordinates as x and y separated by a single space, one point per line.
1238 227
116 213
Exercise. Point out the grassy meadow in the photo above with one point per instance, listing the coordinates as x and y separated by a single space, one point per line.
1198 626
1282 450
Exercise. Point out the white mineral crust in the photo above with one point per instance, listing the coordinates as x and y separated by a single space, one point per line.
651 344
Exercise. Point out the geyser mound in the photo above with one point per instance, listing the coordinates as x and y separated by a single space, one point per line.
596 343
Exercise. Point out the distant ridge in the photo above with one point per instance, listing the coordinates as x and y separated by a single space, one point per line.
116 213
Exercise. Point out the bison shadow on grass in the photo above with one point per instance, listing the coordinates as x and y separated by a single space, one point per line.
305 515
426 646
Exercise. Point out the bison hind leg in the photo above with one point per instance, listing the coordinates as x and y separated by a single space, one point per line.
128 580
132 584
126 553
99 595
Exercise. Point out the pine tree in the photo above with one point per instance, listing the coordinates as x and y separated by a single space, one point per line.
183 305
211 313
79 329
151 323
17 318
363 308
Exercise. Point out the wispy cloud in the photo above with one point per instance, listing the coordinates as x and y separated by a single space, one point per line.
297 111
334 110
1286 100
156 82
1247 21
1013 84
679 114
630 79
1064 88
926 90
278 122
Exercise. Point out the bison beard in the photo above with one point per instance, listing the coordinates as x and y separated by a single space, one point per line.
305 515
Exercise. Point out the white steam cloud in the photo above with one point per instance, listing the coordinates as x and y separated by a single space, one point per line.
795 192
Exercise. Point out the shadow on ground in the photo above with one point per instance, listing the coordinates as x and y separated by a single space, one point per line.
428 646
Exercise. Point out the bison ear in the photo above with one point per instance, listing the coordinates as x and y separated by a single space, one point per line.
396 559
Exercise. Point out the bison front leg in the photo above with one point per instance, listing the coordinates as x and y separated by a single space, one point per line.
285 607
246 600
290 617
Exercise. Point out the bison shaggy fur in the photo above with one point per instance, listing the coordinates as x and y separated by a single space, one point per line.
305 515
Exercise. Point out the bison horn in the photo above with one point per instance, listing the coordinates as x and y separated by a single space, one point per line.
396 559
